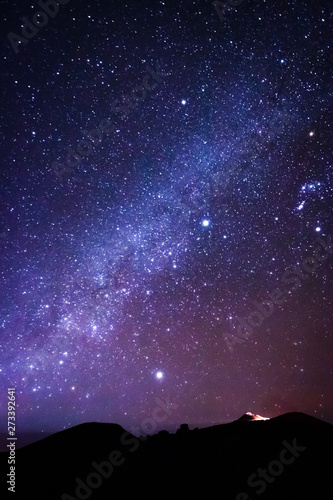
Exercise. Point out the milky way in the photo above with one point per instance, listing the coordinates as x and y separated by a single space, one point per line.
164 169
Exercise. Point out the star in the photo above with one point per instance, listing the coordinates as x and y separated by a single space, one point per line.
120 274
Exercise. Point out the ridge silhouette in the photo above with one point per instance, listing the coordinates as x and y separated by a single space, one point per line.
103 461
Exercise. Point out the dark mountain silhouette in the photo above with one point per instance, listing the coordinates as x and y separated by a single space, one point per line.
297 417
23 439
288 457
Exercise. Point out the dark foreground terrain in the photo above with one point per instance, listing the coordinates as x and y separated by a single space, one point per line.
287 457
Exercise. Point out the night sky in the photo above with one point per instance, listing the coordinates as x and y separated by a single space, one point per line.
164 171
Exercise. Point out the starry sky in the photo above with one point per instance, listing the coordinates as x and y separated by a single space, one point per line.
165 170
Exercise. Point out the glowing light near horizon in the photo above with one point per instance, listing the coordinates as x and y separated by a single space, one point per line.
256 417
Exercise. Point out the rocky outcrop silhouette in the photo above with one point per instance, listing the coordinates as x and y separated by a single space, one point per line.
284 458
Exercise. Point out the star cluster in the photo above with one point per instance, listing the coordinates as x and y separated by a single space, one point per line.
122 276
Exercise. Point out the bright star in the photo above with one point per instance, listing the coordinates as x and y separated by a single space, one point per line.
183 102
318 229
205 222
159 375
